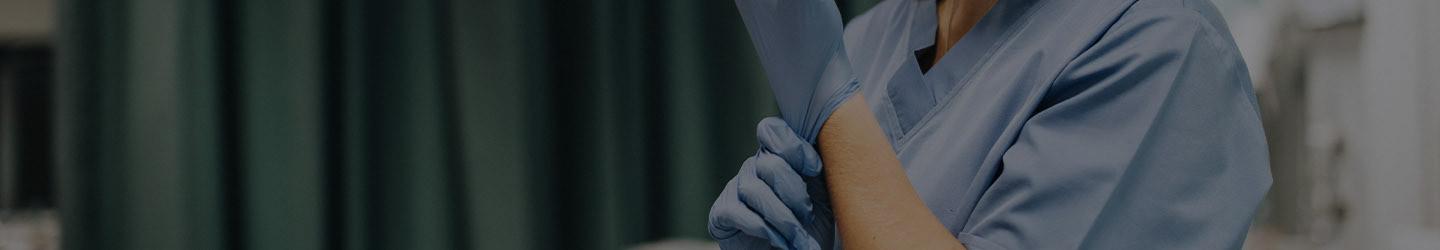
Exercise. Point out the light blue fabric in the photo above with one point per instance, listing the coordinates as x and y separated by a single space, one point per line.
1061 124
800 47
778 198
800 43
1056 124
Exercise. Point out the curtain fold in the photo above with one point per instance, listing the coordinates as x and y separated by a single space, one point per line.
428 124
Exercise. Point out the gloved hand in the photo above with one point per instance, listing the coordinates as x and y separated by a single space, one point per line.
777 199
802 50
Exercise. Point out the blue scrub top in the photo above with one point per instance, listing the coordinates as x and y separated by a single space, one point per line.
1063 124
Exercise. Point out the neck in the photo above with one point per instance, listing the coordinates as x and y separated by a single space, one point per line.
955 18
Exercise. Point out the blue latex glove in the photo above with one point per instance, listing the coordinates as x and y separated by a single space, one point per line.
801 47
777 199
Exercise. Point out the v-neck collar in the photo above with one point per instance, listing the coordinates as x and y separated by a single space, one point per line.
915 97
976 47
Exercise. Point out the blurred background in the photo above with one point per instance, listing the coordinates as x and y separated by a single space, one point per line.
601 124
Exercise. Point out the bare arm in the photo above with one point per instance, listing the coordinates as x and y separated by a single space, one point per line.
875 205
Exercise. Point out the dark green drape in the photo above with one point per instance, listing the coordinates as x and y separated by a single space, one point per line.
25 126
426 124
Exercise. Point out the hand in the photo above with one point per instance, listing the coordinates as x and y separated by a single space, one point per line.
800 43
778 198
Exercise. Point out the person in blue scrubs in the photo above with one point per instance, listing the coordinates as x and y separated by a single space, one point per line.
1051 124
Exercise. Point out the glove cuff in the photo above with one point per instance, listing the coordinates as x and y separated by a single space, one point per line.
836 84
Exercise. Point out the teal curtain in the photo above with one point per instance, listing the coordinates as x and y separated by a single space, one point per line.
424 124
25 127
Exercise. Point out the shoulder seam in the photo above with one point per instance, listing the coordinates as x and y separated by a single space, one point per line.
1208 29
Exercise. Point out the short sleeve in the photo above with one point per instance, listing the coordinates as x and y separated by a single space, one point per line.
1149 139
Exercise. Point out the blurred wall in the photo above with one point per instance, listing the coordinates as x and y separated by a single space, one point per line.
1349 93
27 19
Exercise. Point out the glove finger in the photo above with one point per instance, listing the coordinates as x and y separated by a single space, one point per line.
786 184
731 220
778 137
751 225
758 196
745 241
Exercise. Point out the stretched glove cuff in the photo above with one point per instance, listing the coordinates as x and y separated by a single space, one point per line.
835 85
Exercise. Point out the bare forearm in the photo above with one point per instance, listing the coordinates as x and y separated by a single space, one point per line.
875 205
